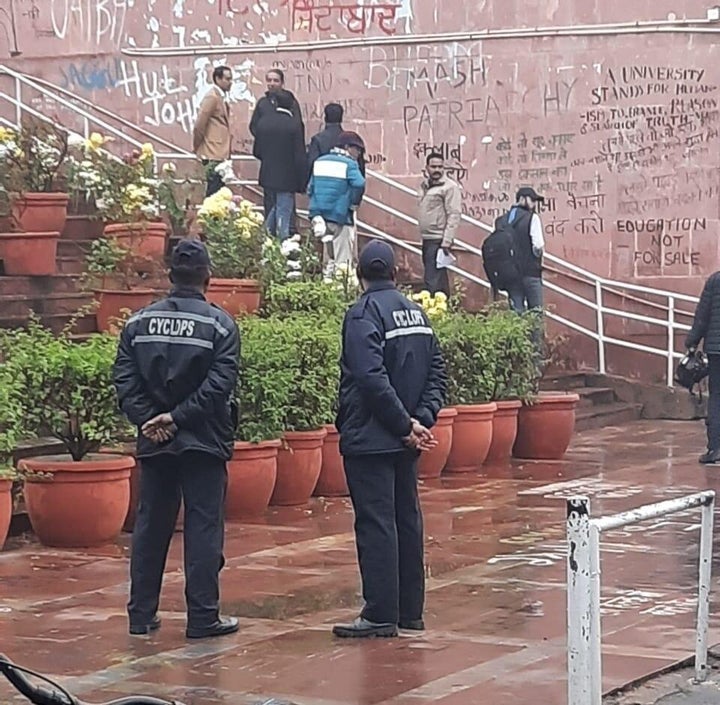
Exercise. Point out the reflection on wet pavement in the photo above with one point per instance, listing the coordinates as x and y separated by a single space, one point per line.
496 611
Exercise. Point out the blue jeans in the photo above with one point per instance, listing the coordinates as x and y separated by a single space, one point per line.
277 221
526 295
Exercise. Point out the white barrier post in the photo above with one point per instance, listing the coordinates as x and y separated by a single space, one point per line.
703 611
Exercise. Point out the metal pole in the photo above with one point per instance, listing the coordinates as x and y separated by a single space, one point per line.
671 341
600 327
703 612
595 638
18 102
578 601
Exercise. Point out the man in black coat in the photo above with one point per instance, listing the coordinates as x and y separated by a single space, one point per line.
392 387
706 328
175 376
275 80
280 147
327 139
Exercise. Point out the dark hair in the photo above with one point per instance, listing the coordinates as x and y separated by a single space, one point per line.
284 99
279 72
219 72
334 113
189 276
375 271
434 155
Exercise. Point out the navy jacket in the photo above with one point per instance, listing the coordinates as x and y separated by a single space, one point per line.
392 370
706 326
180 355
266 106
280 147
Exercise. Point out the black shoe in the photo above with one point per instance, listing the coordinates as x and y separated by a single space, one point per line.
413 625
224 625
145 629
362 628
710 458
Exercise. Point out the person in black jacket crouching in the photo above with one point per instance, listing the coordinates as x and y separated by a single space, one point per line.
706 327
392 387
175 375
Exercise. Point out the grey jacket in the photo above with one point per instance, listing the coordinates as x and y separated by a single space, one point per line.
440 210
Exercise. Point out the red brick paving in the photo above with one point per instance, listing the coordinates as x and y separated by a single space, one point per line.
496 594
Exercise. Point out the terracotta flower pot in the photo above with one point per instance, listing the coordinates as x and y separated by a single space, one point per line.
505 425
332 481
236 296
6 508
143 239
472 436
545 428
252 472
431 463
299 463
40 212
84 504
111 303
29 253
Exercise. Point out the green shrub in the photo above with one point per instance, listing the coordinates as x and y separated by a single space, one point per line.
289 375
489 356
11 421
318 298
66 388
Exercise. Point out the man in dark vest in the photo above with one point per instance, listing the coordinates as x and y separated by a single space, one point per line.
527 294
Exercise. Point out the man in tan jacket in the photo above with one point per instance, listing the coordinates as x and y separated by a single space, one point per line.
211 136
440 211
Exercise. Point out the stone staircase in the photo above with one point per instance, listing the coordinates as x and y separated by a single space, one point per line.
599 405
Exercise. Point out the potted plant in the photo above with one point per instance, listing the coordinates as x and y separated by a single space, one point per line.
120 281
467 350
126 194
313 347
32 160
11 417
67 392
176 198
234 235
513 373
262 397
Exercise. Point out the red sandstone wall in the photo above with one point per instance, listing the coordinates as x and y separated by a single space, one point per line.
620 132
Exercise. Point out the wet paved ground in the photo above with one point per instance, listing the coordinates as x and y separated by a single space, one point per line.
495 607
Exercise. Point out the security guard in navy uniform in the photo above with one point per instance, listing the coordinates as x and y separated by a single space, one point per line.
175 375
392 387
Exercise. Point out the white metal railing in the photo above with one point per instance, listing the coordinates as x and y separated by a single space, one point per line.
600 288
584 636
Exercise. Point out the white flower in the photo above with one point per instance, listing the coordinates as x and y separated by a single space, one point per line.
169 168
75 140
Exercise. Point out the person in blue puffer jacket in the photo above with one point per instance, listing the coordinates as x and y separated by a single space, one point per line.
336 188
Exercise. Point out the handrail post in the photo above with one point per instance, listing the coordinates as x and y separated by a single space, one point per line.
579 602
671 340
703 611
600 326
18 102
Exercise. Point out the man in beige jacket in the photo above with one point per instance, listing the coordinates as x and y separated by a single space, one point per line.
439 215
211 136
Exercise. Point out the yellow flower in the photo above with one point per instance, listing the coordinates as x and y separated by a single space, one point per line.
147 150
225 194
6 134
95 141
440 296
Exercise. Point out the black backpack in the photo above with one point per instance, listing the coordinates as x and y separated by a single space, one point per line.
500 256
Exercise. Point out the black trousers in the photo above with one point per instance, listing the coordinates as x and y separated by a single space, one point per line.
713 411
214 180
200 479
436 278
389 534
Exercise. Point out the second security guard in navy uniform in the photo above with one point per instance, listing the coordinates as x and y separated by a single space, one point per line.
175 375
392 387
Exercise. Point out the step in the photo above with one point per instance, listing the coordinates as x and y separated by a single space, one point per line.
64 302
564 381
56 322
78 249
617 414
80 227
38 286
70 265
595 396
